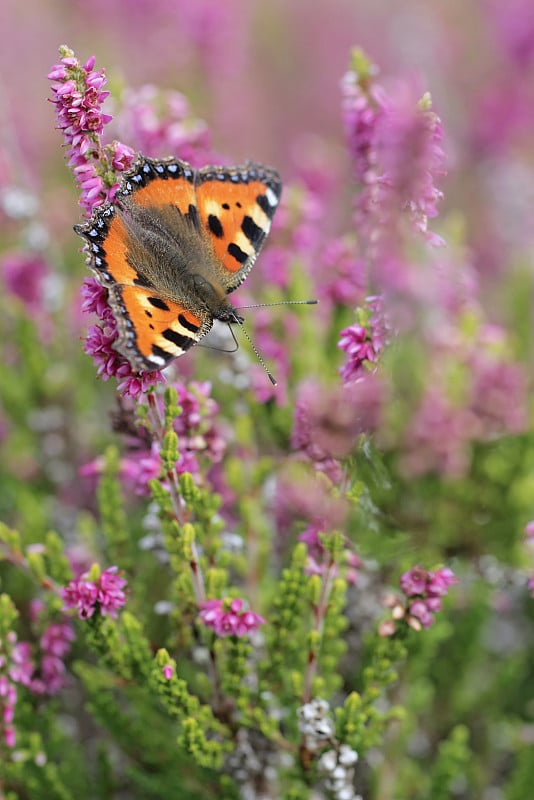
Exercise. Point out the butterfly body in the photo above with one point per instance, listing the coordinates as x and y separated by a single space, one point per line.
171 247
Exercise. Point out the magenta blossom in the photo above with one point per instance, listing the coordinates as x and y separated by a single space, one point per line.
227 617
99 344
23 275
363 343
78 94
395 142
423 590
105 595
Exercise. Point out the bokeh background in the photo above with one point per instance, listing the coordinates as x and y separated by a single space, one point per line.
266 78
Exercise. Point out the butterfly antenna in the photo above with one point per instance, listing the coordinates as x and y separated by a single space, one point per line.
239 321
281 303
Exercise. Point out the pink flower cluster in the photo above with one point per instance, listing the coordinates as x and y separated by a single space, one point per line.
78 94
395 142
227 617
363 343
424 590
23 275
99 345
44 675
105 595
196 426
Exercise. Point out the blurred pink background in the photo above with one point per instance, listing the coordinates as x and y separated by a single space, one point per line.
266 79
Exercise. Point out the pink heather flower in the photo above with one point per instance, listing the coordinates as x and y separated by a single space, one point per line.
419 610
111 596
494 382
57 639
106 595
428 588
82 595
138 468
196 426
529 530
438 437
414 581
95 298
22 666
168 671
363 343
23 276
10 736
424 590
99 345
78 95
312 540
227 618
341 278
395 143
440 580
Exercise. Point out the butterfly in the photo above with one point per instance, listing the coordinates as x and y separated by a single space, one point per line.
172 245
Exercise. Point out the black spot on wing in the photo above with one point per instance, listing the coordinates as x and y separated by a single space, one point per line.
159 353
144 282
184 342
157 302
253 232
214 224
192 213
235 251
185 323
265 206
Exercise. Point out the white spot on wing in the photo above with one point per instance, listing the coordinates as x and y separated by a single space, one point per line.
272 199
158 361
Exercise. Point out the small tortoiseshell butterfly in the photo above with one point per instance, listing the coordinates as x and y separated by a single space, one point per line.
171 246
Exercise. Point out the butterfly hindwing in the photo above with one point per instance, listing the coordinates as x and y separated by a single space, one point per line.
236 206
153 331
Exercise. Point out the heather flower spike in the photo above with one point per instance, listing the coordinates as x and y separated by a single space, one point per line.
92 592
78 95
229 618
423 590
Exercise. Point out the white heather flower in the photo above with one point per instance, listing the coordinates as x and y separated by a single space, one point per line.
328 761
347 756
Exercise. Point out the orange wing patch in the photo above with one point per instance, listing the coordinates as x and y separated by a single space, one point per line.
159 182
236 207
152 330
114 246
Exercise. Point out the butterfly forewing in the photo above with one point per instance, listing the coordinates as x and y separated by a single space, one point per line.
236 206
